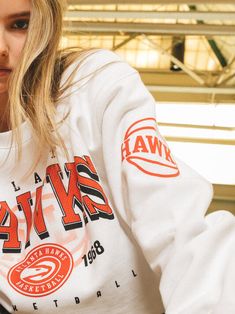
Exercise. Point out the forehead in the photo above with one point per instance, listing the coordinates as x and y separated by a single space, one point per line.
10 7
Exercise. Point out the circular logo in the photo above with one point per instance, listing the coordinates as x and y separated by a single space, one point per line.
43 271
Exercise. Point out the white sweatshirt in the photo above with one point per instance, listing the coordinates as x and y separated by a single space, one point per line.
95 233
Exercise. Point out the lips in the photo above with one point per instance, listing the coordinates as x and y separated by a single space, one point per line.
4 72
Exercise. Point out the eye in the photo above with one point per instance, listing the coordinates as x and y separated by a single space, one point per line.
20 24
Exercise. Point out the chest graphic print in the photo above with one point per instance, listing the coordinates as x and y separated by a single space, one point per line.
79 199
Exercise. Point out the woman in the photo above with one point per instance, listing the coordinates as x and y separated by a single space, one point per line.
94 208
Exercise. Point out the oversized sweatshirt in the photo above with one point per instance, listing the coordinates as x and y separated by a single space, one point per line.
118 225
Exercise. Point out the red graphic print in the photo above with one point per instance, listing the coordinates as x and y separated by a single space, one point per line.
9 233
43 271
144 148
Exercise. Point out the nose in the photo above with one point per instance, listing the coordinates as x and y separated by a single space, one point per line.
4 50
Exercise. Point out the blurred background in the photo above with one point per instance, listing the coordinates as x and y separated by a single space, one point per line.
185 53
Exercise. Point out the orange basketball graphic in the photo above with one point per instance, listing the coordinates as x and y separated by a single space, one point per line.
144 148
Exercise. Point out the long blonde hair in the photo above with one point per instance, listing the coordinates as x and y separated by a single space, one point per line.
34 87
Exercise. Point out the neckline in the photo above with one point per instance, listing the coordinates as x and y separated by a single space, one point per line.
6 137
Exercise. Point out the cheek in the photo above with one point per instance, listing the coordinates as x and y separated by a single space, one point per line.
17 45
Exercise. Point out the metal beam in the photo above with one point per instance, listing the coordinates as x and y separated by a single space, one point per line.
192 90
227 79
124 42
197 126
186 90
225 73
217 52
148 28
224 198
216 141
181 65
218 204
212 43
179 87
224 192
103 2
184 98
196 15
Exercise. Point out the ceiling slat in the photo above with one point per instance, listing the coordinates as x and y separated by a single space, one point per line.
149 28
196 15
88 2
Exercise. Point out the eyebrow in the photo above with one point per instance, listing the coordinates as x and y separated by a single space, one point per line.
20 14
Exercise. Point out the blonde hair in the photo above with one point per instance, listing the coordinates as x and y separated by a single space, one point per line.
34 87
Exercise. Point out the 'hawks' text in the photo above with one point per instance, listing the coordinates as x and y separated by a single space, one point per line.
84 191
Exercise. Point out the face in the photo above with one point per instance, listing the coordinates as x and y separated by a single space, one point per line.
14 20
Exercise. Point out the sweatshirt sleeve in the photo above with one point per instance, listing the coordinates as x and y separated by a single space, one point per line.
163 201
